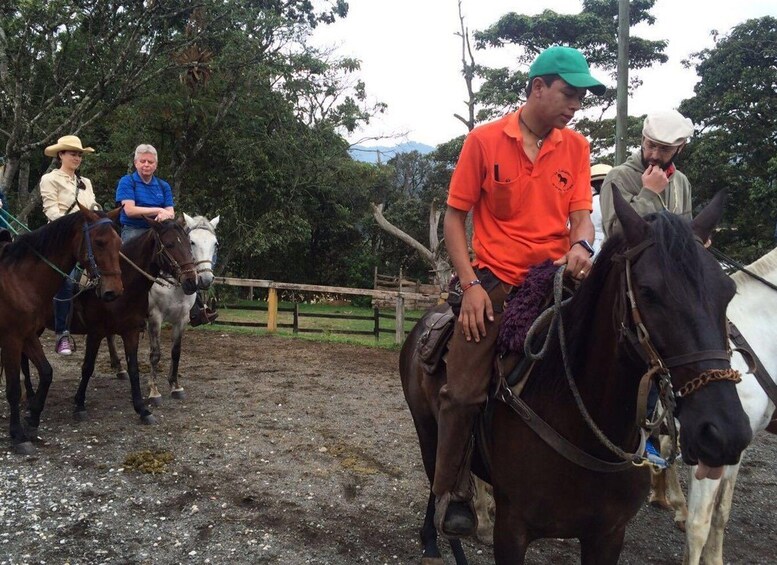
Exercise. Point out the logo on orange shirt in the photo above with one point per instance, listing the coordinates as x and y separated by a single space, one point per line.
562 180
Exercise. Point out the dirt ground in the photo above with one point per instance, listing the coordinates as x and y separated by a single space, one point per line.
284 451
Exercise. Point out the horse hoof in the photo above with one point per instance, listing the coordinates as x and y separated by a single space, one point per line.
660 503
148 419
80 415
680 525
178 394
154 400
122 375
24 448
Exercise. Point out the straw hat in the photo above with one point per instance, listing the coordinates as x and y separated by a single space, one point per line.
66 143
599 171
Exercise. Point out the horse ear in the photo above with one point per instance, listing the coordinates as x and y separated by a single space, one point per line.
704 223
115 213
635 228
214 222
189 220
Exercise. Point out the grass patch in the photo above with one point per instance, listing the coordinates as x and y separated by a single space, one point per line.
326 328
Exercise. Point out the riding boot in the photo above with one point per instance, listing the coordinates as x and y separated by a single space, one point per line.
200 314
454 511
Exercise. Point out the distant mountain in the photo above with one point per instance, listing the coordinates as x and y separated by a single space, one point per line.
384 152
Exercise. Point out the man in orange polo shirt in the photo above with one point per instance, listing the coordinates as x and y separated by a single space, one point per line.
526 177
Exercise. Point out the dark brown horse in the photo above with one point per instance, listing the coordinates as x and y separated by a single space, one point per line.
31 272
165 247
681 294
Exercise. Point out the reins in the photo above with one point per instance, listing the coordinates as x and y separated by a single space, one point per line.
658 370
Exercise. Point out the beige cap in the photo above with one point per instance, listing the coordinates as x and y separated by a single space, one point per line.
668 128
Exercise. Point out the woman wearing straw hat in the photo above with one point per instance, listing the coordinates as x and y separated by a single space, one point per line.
61 190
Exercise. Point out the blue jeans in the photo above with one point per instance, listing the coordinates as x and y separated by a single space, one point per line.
63 303
131 232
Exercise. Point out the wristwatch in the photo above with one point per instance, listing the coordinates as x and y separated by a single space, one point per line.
587 246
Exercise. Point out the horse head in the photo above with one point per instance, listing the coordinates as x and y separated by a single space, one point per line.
175 252
202 234
99 249
679 295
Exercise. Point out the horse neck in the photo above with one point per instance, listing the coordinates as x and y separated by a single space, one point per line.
142 253
607 383
61 257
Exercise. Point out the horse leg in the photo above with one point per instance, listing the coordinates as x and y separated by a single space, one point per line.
118 370
510 536
675 496
484 502
131 340
34 351
87 370
176 390
11 358
25 368
431 553
154 355
701 499
712 554
602 549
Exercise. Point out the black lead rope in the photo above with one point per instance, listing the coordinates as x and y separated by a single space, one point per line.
734 264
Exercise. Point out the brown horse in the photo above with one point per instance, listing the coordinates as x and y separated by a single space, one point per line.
31 271
165 248
656 281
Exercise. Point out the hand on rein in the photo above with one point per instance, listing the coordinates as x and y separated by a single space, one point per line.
578 262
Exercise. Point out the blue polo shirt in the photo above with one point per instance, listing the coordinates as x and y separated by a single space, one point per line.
156 193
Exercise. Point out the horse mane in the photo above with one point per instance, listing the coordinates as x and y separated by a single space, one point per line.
678 257
43 239
764 267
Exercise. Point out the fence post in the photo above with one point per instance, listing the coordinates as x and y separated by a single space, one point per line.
399 320
272 310
376 314
295 327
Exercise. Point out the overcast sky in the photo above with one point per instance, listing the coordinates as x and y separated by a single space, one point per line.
411 57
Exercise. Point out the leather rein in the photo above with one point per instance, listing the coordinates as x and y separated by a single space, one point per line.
658 369
161 251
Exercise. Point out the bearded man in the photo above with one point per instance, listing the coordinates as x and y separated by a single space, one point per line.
648 179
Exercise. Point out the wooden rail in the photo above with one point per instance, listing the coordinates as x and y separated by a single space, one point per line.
272 299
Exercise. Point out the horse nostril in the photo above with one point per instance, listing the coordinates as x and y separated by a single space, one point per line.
109 296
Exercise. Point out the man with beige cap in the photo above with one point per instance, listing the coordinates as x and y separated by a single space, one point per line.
648 179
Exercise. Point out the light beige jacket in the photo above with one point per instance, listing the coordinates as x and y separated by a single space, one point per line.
58 191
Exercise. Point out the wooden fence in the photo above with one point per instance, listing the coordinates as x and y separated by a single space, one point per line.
398 297
430 292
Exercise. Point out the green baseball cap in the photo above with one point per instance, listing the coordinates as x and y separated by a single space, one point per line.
569 64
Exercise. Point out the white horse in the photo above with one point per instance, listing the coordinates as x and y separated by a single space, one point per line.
169 304
709 501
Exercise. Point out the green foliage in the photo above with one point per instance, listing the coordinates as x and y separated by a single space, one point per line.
594 31
734 109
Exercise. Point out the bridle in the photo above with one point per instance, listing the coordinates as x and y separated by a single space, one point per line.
209 268
175 269
166 259
658 368
93 270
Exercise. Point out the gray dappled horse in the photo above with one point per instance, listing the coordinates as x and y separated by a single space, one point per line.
171 304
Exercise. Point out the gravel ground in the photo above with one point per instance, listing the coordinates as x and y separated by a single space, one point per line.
284 451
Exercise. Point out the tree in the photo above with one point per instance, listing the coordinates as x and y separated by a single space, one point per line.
735 111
